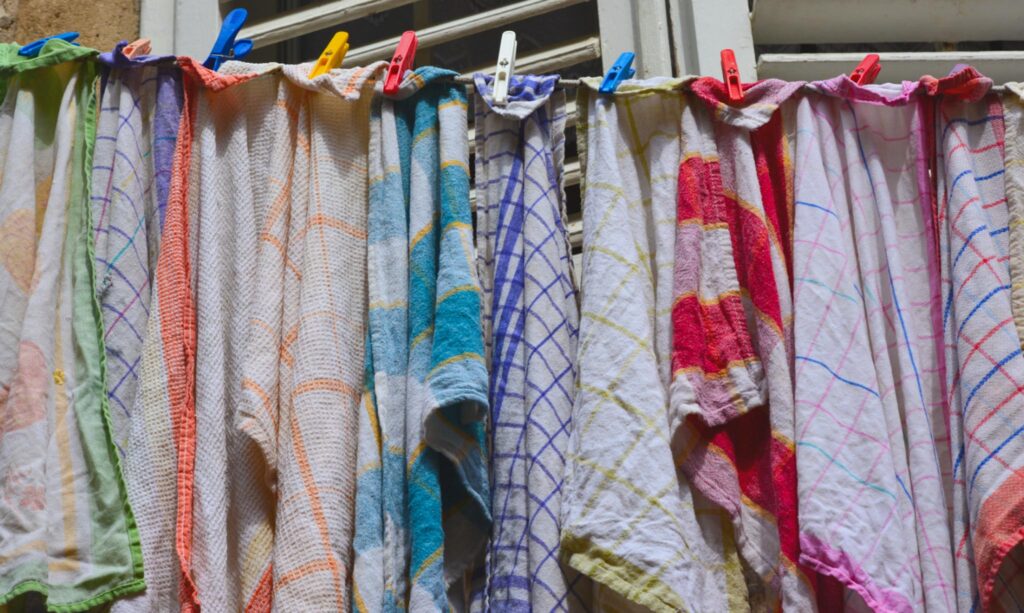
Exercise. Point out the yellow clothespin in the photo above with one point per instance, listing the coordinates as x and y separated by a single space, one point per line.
333 53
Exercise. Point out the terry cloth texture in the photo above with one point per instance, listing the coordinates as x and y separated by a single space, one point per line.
870 426
140 109
983 353
423 505
531 324
732 392
271 260
630 520
66 529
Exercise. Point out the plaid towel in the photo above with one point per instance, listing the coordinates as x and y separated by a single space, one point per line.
732 326
66 530
631 521
529 302
139 114
870 430
985 368
273 269
421 447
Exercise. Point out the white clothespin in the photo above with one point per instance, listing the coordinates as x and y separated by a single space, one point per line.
506 65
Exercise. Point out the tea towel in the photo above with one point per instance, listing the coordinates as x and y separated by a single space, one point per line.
985 367
531 323
732 390
66 529
870 426
265 475
422 498
140 109
630 521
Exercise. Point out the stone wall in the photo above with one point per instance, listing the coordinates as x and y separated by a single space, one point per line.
101 23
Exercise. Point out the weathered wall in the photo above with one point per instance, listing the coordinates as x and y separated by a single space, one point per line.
101 23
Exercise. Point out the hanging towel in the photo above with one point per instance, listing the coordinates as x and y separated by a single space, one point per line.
531 323
630 521
140 109
871 439
985 368
422 497
732 392
66 529
269 265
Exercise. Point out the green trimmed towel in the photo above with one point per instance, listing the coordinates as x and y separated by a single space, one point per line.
66 530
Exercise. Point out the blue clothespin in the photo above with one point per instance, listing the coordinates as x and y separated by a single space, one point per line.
621 70
33 48
226 47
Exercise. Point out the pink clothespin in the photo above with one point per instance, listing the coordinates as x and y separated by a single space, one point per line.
731 76
868 69
141 46
402 61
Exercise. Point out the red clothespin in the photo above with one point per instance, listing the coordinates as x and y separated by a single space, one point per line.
867 70
731 76
141 46
402 61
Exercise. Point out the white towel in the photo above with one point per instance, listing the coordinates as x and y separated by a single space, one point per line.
630 521
868 356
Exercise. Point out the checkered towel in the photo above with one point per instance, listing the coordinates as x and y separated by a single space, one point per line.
985 368
630 520
66 530
870 431
531 323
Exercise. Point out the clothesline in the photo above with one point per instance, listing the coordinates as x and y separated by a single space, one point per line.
468 80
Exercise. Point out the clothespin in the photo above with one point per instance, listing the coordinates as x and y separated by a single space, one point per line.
226 47
506 66
400 62
731 76
867 70
332 56
621 70
33 48
139 47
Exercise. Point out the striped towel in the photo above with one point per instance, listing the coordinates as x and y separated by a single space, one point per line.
732 326
630 520
421 447
273 268
985 368
871 439
529 302
66 530
138 121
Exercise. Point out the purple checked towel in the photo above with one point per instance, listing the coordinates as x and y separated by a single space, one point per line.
137 128
530 308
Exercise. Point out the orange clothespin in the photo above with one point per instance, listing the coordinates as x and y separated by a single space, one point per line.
332 56
402 61
867 70
731 76
141 46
